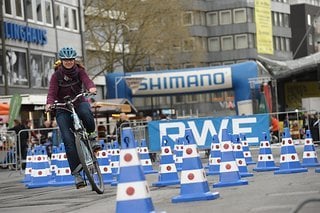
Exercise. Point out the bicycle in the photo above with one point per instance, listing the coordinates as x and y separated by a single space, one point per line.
86 155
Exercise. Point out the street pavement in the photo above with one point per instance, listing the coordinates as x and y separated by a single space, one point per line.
265 193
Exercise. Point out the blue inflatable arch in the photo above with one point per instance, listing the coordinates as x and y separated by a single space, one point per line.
184 81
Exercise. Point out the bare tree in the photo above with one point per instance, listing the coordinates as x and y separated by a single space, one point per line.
130 33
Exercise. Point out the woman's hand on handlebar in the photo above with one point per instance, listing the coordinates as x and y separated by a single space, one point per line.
93 90
48 107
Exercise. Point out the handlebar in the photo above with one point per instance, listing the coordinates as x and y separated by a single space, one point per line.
68 100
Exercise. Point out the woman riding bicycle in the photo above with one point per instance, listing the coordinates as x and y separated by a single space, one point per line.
68 80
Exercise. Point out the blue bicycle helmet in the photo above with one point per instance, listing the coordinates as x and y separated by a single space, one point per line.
67 53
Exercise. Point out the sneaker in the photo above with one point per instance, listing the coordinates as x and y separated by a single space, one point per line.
80 183
95 145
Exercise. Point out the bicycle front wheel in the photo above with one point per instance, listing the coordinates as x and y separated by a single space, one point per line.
90 164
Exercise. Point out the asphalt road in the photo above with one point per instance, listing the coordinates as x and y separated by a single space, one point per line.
265 193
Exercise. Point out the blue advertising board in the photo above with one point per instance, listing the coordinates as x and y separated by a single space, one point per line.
203 129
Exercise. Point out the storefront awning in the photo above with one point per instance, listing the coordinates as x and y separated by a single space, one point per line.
112 106
284 69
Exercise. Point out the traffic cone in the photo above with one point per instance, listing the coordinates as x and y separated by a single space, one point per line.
168 174
289 160
28 169
63 171
194 184
54 160
178 153
115 151
104 164
265 158
229 171
309 154
246 149
145 158
133 193
215 157
239 157
40 174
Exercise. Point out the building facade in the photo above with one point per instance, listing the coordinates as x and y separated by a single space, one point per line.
227 32
34 31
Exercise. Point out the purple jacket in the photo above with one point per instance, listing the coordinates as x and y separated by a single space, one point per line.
64 82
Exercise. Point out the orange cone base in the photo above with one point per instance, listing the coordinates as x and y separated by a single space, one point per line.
195 197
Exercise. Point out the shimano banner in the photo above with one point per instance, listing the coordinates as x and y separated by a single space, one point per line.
204 128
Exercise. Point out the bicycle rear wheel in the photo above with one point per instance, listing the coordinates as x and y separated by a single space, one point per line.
90 164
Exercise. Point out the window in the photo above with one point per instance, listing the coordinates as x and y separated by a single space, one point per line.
239 15
309 19
48 12
286 20
214 44
14 8
212 19
281 24
241 41
74 19
19 8
57 14
16 68
251 41
39 11
227 43
66 17
29 9
8 7
225 17
310 39
288 47
282 44
187 18
276 43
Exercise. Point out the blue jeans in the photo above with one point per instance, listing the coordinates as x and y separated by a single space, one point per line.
65 124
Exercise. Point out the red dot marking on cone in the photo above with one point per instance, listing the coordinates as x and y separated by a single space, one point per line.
181 147
219 160
130 191
168 168
145 150
211 161
113 152
39 158
267 144
53 156
30 170
308 155
228 166
246 154
190 176
59 171
166 150
65 156
240 162
283 142
104 154
260 157
67 171
105 169
118 151
289 141
238 147
189 151
39 172
127 157
293 157
245 143
226 146
29 159
217 146
146 162
307 141
269 157
283 158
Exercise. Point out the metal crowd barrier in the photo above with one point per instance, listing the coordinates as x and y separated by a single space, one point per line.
8 150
